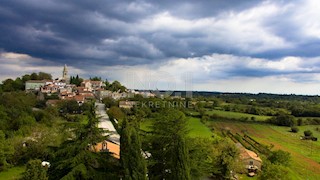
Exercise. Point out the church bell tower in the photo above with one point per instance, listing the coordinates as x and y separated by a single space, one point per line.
65 73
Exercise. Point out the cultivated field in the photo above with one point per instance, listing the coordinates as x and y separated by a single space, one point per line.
305 154
236 115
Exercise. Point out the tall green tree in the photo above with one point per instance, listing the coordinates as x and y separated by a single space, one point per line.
26 77
116 86
5 150
109 102
225 159
116 112
44 76
169 158
201 157
125 148
34 76
96 78
8 85
132 161
107 83
4 118
76 158
76 80
180 160
16 110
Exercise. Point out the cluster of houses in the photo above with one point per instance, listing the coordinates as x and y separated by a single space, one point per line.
88 89
64 90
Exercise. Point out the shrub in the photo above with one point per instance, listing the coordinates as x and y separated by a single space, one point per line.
307 133
280 157
283 120
273 171
300 122
34 170
294 129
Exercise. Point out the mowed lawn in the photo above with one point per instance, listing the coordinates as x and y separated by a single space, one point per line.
237 115
195 127
305 154
12 173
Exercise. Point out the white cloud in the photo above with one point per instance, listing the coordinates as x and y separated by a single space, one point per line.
246 30
137 7
289 63
306 15
270 84
223 72
216 72
15 65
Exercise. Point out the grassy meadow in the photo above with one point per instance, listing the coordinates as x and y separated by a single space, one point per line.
236 115
12 173
196 128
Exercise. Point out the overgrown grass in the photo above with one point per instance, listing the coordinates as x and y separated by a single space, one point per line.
237 115
12 173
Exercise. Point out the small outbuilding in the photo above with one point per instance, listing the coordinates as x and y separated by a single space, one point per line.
251 161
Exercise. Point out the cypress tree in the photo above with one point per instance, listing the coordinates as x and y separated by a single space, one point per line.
77 80
132 161
180 160
138 164
71 80
170 158
124 149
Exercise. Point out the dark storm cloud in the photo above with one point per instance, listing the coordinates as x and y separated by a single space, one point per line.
82 33
66 31
62 31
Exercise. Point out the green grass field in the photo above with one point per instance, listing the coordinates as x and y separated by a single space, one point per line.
12 173
230 114
146 124
305 154
196 128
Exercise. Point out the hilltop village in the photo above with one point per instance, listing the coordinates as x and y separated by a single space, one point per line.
83 91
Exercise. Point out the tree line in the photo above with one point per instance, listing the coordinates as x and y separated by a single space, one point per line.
18 84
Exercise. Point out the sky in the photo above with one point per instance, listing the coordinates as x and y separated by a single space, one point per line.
206 45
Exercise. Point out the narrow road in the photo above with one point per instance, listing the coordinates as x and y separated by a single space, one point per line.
106 124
